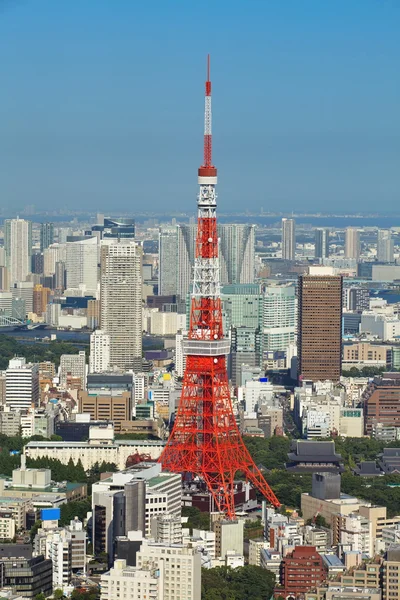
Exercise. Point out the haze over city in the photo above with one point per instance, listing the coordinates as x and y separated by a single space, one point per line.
101 104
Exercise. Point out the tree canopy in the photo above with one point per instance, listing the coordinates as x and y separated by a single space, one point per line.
38 352
250 582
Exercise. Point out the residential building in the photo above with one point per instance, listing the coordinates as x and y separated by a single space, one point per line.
23 290
288 239
121 303
99 358
73 365
180 566
391 573
354 534
22 385
18 247
131 582
301 570
7 526
228 537
320 327
46 235
381 401
356 298
321 243
384 251
41 297
237 244
81 264
166 528
352 243
168 263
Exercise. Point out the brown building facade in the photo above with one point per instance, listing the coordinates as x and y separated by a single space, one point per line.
301 571
320 327
382 402
41 297
107 408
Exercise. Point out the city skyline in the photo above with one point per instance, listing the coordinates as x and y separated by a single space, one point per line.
306 107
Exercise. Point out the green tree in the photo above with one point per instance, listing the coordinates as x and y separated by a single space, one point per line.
196 518
250 582
34 529
58 594
40 596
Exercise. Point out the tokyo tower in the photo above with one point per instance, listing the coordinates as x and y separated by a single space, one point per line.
205 440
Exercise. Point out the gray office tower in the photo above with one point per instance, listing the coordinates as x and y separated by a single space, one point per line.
246 350
46 235
321 243
385 246
177 253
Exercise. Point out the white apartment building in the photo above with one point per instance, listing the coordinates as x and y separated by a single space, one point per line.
356 534
7 526
22 385
257 391
6 303
121 302
73 365
180 356
51 255
179 567
279 317
81 264
18 247
384 327
288 239
166 528
127 582
166 323
99 359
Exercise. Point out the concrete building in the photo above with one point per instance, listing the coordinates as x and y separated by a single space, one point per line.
237 244
7 526
381 401
320 327
288 239
356 298
10 422
97 449
166 529
352 243
353 533
121 303
18 248
22 385
245 349
279 317
384 252
104 407
168 260
46 235
228 537
180 569
41 296
366 353
28 577
99 359
391 573
24 290
321 243
81 264
384 327
302 570
131 582
73 365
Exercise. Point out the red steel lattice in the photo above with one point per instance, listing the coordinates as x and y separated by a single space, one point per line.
205 440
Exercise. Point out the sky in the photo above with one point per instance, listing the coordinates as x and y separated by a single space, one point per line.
101 104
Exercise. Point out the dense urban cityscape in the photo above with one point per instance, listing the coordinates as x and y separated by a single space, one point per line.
197 404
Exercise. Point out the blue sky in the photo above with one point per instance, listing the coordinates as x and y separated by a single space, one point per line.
101 103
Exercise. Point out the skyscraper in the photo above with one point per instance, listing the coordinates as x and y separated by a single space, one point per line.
288 239
237 253
168 265
121 302
18 245
321 243
279 317
81 264
320 326
46 235
385 246
352 243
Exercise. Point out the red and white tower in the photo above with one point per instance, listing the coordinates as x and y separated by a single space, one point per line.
205 439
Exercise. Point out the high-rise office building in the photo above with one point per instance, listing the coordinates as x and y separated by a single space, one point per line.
121 302
24 290
22 385
279 317
18 246
237 252
288 239
352 243
81 264
237 244
168 263
320 326
46 235
99 359
119 228
385 246
242 305
321 243
246 349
